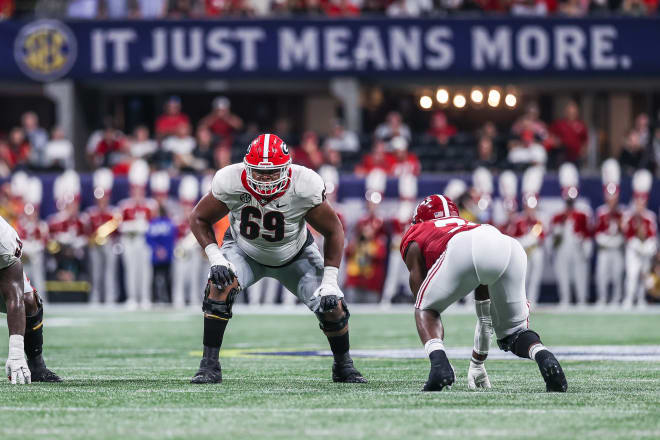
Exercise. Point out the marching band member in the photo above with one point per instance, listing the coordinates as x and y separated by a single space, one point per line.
34 233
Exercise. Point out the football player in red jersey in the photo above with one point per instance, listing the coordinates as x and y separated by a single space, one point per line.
269 202
448 257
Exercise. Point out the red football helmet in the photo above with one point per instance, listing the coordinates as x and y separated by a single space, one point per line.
267 165
433 207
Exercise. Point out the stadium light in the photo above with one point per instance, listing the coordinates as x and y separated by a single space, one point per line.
442 96
425 102
493 98
510 100
459 101
477 96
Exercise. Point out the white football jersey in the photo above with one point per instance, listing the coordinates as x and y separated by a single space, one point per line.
271 231
10 245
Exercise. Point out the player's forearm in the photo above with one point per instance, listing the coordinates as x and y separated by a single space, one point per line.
333 247
15 313
203 231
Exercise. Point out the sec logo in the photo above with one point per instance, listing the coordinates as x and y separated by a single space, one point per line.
245 198
45 50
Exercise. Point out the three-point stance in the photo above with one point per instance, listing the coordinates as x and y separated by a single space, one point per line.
269 202
448 257
24 314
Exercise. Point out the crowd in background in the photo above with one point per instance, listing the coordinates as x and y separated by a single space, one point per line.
214 9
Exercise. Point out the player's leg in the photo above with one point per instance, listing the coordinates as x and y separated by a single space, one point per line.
562 265
34 336
451 278
510 312
617 276
217 308
581 277
535 272
303 276
96 266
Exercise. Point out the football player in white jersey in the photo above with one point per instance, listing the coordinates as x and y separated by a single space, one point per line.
269 202
24 312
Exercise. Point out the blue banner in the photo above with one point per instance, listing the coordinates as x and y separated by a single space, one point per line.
46 50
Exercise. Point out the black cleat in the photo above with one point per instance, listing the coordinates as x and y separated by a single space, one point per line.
345 372
39 371
555 380
442 374
209 372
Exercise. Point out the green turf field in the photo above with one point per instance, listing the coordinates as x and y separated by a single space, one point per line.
127 377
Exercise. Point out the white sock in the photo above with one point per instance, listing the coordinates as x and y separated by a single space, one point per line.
536 349
433 345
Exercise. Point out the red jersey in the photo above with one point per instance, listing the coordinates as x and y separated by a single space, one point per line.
97 217
32 231
369 163
433 236
578 218
66 229
167 124
135 215
573 135
642 225
409 165
609 227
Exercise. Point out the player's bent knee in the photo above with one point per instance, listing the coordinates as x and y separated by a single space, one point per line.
519 342
218 303
32 302
335 321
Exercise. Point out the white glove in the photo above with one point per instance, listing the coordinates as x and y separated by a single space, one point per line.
477 376
329 291
16 367
222 272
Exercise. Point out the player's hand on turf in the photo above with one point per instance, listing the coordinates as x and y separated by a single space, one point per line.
477 376
222 275
16 368
329 297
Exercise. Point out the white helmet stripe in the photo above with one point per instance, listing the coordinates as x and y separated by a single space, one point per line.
445 206
266 144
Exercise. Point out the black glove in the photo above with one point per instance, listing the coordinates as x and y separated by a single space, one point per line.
328 303
221 276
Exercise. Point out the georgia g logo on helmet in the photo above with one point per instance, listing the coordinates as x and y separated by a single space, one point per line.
434 207
267 165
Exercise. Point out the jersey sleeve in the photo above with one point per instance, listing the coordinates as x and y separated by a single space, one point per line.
221 186
310 187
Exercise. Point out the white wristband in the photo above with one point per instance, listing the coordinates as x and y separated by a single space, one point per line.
330 275
215 256
16 346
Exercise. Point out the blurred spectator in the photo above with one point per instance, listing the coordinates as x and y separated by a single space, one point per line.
636 7
409 8
366 258
530 121
222 157
642 129
59 151
341 8
179 9
529 8
571 133
376 159
441 130
332 157
141 146
655 149
168 122
309 154
19 148
574 8
6 9
527 151
203 154
180 146
393 126
486 154
83 9
342 139
150 9
633 154
5 159
405 162
489 130
37 136
115 9
109 149
160 237
221 121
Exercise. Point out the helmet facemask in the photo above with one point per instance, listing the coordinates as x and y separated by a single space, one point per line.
267 179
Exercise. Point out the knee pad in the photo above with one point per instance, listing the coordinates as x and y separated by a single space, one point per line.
219 309
334 326
519 343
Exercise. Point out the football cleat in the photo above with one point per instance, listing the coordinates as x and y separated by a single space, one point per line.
40 373
209 372
553 375
442 374
346 372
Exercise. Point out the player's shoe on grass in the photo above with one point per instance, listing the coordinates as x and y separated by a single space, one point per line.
344 371
554 377
39 371
209 372
442 373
